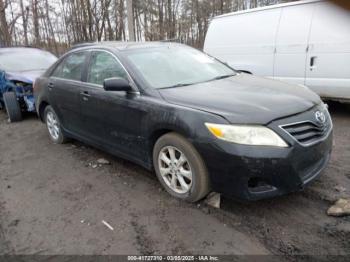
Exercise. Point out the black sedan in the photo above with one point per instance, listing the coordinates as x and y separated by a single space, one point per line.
198 123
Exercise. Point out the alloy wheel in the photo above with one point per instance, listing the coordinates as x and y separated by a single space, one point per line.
175 169
53 125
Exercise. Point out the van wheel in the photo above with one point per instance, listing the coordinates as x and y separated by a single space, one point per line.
179 168
54 126
12 107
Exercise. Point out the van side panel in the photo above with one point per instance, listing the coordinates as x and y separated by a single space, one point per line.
245 41
328 62
292 43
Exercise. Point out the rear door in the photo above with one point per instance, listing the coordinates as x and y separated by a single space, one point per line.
111 118
292 43
65 86
328 61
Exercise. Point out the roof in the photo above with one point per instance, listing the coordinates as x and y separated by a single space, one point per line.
268 8
120 45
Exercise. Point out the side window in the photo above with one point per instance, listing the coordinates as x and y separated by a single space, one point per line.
58 70
72 67
102 66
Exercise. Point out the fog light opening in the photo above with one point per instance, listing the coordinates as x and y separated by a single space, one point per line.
257 184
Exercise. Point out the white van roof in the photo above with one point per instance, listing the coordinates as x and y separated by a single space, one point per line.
268 8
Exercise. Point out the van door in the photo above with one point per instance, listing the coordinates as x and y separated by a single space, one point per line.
292 43
328 61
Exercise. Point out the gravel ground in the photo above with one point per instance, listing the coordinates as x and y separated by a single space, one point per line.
53 200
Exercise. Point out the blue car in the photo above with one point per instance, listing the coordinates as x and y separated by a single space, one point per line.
19 67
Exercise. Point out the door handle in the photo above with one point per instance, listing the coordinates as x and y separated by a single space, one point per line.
50 86
313 62
85 95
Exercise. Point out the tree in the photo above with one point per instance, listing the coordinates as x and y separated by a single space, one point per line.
5 34
130 15
58 24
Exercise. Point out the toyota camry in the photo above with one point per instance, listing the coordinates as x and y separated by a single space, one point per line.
199 124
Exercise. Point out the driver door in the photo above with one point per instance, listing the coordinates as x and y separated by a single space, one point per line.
111 118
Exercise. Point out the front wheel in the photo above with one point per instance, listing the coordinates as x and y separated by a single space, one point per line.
12 107
180 168
54 126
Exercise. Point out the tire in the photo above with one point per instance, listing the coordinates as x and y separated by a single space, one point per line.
12 107
198 186
53 126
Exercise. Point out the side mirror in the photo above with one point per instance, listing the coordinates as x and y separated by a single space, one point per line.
116 84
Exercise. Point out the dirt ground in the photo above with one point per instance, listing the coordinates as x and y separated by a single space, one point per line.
53 201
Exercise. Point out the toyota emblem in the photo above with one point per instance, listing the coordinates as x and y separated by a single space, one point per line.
320 117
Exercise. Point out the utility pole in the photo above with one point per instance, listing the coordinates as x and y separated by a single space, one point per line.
130 16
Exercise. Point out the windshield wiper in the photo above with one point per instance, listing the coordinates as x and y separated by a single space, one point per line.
178 85
188 84
221 77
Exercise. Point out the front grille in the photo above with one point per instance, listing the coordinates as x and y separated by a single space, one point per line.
308 132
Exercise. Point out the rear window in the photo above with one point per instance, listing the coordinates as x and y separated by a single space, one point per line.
71 67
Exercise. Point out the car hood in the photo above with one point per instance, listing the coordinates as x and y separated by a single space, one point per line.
244 99
24 76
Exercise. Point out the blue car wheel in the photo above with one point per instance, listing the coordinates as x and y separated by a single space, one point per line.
12 107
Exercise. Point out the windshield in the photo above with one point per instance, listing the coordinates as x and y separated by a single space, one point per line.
28 60
176 66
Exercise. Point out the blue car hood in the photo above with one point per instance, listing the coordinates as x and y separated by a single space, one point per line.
24 76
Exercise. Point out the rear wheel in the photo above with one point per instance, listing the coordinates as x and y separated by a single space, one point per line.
12 107
54 126
180 168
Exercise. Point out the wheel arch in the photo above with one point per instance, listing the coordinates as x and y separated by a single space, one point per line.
43 104
161 131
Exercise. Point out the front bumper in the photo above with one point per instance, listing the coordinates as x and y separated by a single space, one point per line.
258 172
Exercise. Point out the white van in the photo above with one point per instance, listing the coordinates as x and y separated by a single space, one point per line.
305 42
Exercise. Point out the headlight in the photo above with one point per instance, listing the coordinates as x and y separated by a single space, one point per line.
247 135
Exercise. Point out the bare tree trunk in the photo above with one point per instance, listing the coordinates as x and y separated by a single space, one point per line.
5 36
24 12
36 22
109 24
130 15
199 25
84 11
161 18
50 27
119 17
170 16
